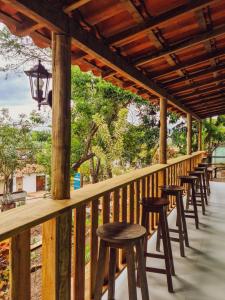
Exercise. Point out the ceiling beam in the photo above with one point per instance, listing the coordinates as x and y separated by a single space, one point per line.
200 84
209 104
208 91
195 61
213 114
58 21
203 99
132 10
75 5
132 34
195 75
216 109
14 25
190 42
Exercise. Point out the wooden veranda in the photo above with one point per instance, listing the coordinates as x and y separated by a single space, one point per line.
170 52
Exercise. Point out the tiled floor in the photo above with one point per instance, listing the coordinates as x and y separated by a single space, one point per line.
201 274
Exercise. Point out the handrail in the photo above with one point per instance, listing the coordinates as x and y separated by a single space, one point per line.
19 219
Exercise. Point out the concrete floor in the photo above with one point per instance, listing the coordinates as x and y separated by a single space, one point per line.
201 274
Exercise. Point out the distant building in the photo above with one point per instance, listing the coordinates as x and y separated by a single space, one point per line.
30 179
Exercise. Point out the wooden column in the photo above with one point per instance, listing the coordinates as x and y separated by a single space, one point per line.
189 133
61 119
200 136
163 132
56 251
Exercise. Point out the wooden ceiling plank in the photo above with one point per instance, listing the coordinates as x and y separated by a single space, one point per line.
195 40
201 84
26 29
60 22
209 104
131 34
15 25
75 5
196 74
205 93
212 114
132 10
211 110
205 99
192 63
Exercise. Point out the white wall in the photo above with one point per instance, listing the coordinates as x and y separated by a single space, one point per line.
29 183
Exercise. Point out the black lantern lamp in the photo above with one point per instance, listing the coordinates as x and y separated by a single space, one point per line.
39 82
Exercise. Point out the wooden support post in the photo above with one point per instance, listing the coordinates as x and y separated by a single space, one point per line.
200 136
61 119
163 132
189 133
163 135
56 251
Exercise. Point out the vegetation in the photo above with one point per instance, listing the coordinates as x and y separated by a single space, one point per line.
18 144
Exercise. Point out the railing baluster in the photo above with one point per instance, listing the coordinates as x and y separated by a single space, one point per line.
123 218
20 285
131 210
79 252
138 198
56 257
106 219
93 245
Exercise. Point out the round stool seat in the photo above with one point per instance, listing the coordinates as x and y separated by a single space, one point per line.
171 188
203 165
196 173
121 232
200 169
188 179
154 202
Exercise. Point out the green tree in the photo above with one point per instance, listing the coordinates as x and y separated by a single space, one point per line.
108 145
16 146
91 96
20 51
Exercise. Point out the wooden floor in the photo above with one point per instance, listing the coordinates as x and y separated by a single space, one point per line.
201 274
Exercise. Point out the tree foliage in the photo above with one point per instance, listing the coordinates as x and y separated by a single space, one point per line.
20 51
18 143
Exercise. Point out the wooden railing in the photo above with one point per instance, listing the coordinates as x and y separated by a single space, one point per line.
116 199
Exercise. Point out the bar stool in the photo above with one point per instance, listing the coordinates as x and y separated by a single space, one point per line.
209 175
204 181
201 194
191 181
124 236
177 191
159 205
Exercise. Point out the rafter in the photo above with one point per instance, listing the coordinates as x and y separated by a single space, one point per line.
203 99
199 38
75 5
212 114
209 105
218 108
192 63
131 34
201 84
132 10
208 91
15 26
196 74
57 21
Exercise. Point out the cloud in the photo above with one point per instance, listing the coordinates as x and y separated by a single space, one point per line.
14 90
